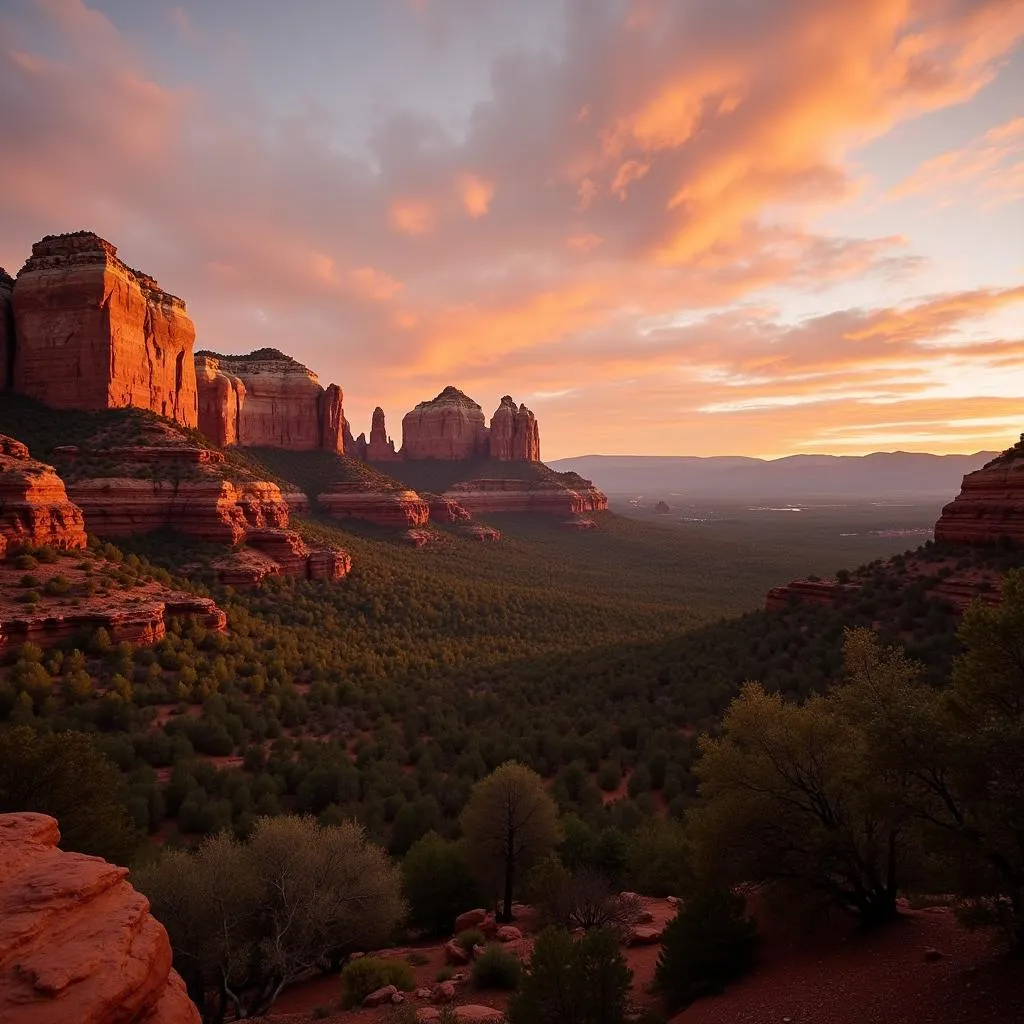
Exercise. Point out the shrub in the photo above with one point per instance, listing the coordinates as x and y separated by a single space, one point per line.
438 884
445 974
497 968
56 586
569 981
469 938
28 580
710 943
369 973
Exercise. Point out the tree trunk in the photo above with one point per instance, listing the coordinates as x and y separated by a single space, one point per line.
510 867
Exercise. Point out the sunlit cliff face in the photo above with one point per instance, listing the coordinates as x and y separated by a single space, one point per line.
701 227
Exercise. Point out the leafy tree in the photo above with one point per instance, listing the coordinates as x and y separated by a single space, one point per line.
438 883
510 823
64 775
569 981
708 944
791 798
247 918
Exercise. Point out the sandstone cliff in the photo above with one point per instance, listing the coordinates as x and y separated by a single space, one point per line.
91 333
34 505
267 399
380 447
450 426
990 504
514 434
517 495
77 942
6 330
353 500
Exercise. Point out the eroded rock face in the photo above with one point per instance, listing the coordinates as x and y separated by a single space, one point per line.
386 508
380 447
211 509
91 333
34 505
990 504
449 427
6 330
77 942
267 399
514 434
508 495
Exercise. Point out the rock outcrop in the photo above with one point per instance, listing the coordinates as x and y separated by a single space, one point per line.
6 330
34 505
91 333
450 426
990 504
514 434
822 593
511 495
380 447
77 942
447 510
267 399
385 508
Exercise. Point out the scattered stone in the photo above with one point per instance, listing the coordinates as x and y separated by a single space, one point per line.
381 996
508 933
470 919
644 935
454 954
932 955
444 992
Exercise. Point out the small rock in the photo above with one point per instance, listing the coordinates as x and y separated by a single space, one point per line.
422 993
931 955
397 998
644 917
508 933
356 956
444 993
644 935
381 996
672 901
455 954
470 919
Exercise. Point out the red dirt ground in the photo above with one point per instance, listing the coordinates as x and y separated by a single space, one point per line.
833 976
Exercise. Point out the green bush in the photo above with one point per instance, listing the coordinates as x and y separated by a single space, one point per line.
497 967
437 884
369 973
707 945
569 981
469 938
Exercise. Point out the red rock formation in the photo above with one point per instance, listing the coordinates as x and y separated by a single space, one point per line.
447 510
220 399
6 330
329 564
449 427
514 434
479 532
386 508
823 593
77 943
290 552
990 504
507 495
380 447
91 333
267 399
212 509
245 568
581 525
34 506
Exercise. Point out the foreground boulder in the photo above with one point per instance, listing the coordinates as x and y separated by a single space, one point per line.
91 333
77 943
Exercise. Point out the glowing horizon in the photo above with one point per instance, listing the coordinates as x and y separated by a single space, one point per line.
716 227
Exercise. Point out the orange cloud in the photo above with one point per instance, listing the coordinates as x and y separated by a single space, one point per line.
375 284
412 216
476 194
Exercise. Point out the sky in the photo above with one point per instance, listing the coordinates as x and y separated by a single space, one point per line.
694 227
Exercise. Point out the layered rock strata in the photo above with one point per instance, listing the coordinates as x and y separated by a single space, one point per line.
91 333
508 495
267 399
34 505
386 508
6 330
77 942
990 505
450 426
514 434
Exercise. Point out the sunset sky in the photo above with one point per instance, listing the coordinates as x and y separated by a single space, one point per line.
689 227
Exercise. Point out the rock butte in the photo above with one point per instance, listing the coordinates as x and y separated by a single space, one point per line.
6 330
91 333
990 504
77 942
267 399
449 427
34 505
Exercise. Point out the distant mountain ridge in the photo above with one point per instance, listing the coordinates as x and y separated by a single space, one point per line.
878 475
